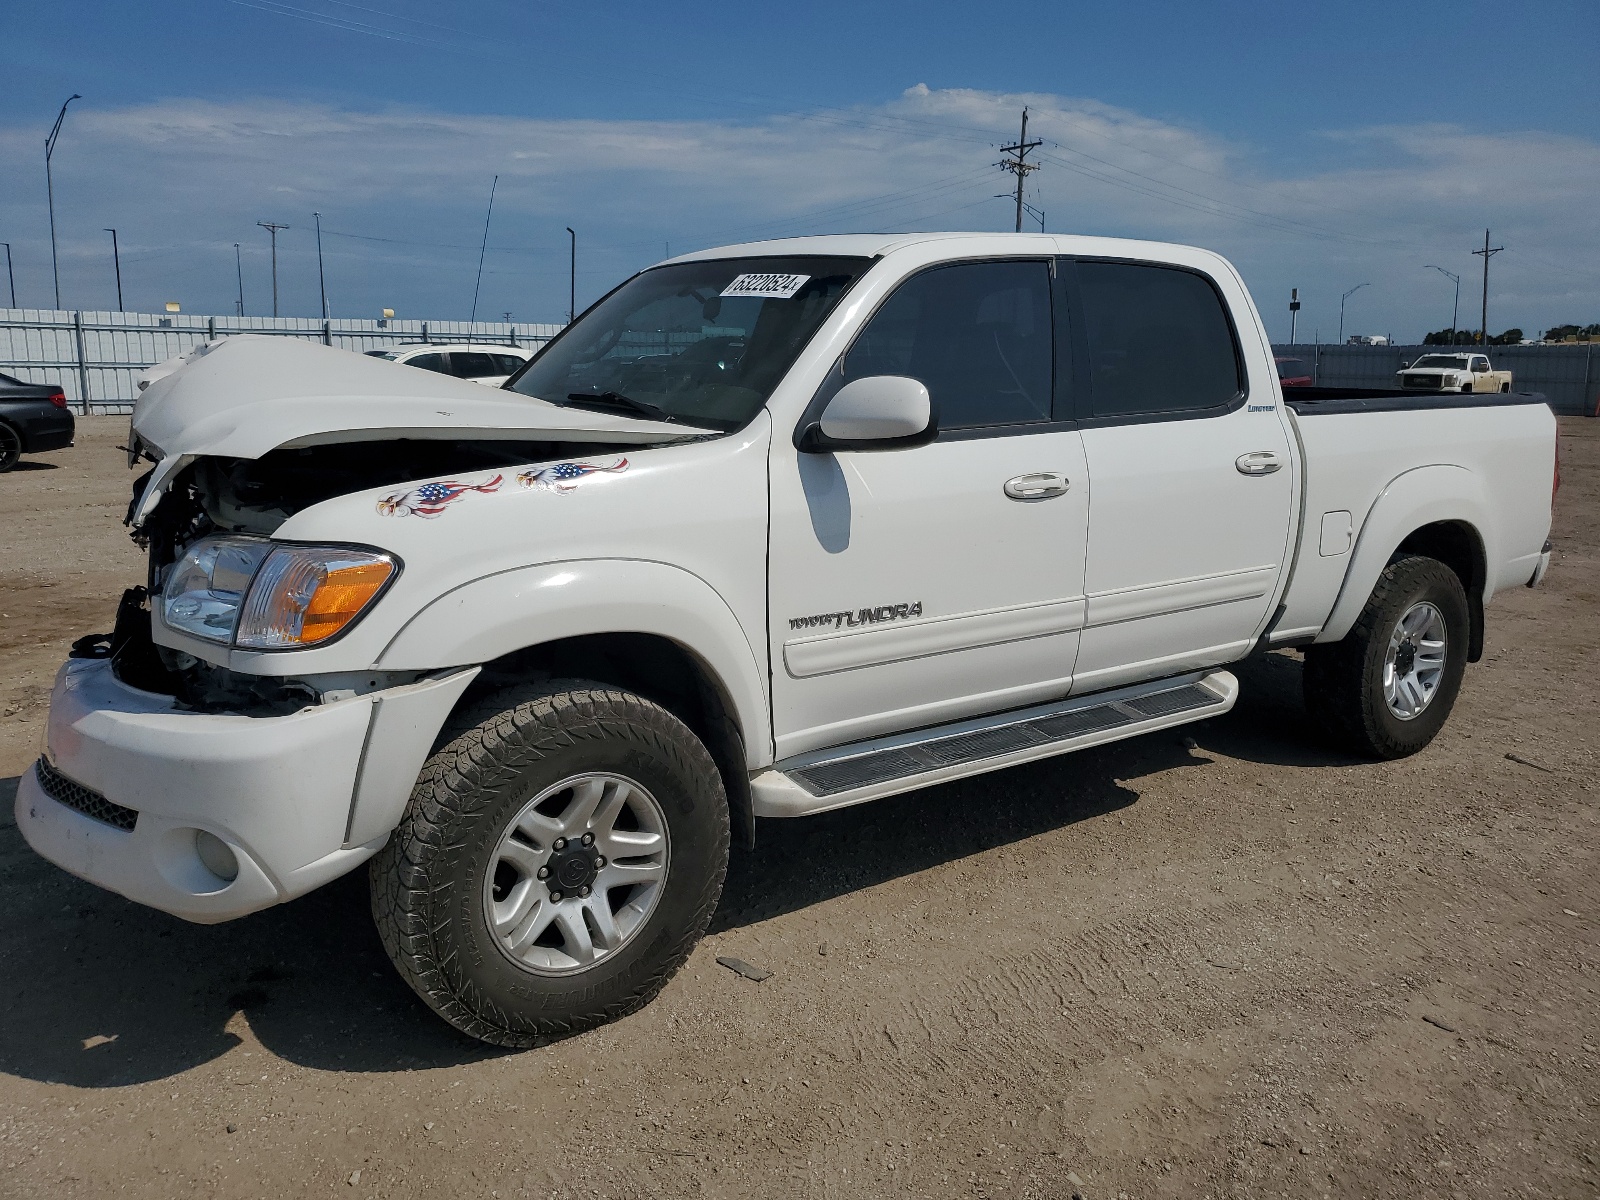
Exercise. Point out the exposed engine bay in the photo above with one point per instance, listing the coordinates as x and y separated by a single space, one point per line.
256 496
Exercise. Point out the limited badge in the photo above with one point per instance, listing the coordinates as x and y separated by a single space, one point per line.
766 287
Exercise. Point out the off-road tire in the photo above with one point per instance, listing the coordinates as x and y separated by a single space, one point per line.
427 882
1343 680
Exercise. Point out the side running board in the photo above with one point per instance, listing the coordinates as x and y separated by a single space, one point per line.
844 775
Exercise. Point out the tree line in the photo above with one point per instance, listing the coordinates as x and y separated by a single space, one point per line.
1469 337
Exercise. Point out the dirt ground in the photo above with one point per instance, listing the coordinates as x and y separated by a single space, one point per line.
1237 967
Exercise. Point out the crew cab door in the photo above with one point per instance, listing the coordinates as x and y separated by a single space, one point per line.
1191 474
918 585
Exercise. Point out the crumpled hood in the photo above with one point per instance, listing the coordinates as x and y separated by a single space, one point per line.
252 394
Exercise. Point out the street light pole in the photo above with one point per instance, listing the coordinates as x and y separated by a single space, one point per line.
50 189
117 261
1455 311
273 230
572 279
9 276
1342 299
238 267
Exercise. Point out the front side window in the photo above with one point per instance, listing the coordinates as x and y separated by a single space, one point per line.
703 343
977 335
1159 340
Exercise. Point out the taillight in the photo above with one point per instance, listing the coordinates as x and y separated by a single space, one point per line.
1555 484
59 399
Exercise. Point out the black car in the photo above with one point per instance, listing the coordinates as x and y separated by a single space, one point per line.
33 418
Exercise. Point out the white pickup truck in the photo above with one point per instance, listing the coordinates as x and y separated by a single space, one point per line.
769 530
1453 373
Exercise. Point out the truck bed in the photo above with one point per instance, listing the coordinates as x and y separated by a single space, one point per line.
1368 451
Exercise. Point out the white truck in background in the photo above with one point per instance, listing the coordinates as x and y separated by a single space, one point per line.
769 530
1453 373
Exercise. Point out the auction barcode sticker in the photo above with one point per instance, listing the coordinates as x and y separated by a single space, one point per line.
768 287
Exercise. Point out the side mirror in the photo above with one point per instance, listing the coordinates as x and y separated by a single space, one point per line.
877 412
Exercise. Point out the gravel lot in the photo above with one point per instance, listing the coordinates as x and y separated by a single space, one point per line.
1214 962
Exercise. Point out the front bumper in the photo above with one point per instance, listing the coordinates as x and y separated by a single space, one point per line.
298 800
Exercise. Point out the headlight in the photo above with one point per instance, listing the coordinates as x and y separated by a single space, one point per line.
259 596
206 588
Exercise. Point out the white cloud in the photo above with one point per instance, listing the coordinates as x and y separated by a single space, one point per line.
183 180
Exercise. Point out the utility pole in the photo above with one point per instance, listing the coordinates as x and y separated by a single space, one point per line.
1483 326
1294 312
238 266
117 260
1342 299
1455 309
572 279
1019 165
481 251
50 190
273 230
9 276
322 282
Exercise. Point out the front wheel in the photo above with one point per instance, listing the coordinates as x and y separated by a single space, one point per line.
557 862
1386 689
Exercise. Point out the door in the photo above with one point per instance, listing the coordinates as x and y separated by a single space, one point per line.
1191 476
914 586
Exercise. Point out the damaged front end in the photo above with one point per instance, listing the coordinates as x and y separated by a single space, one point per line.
239 502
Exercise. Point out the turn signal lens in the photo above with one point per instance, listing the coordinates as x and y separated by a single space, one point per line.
303 595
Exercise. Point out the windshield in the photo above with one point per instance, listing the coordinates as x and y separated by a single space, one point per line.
701 342
1447 361
1292 368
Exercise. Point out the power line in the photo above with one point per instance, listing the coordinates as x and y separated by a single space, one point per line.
1486 253
1018 163
272 229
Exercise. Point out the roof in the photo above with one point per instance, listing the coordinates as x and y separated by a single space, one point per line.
872 245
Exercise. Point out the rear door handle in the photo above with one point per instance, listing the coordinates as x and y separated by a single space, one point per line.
1258 462
1039 486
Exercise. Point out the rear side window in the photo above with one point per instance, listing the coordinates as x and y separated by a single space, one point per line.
978 335
507 364
429 362
1159 340
473 364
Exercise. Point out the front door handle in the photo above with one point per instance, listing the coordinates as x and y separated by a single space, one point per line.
1039 486
1258 462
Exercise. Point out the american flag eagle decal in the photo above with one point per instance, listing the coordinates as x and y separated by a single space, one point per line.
431 499
563 477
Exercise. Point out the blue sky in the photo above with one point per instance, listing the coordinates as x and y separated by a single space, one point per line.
1318 146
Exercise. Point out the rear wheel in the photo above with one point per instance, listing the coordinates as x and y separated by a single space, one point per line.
558 860
1386 689
10 447
1505 387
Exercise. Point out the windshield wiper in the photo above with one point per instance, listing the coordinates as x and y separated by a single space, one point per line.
618 400
644 408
